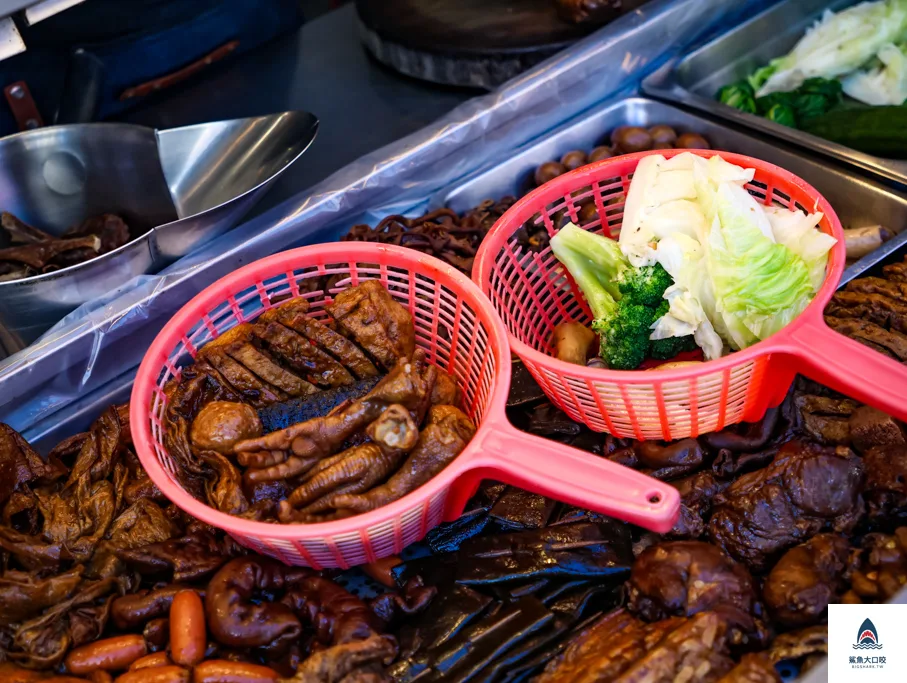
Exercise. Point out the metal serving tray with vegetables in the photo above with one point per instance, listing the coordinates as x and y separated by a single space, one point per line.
833 78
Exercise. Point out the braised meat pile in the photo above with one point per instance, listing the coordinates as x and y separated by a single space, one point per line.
873 310
622 649
683 578
389 425
33 251
442 233
101 575
779 519
806 489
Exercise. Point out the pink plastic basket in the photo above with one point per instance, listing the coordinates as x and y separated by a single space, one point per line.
533 293
459 329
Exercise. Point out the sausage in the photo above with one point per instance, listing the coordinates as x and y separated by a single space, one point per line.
163 674
861 241
100 676
131 611
187 629
380 570
157 634
152 661
10 673
225 671
110 654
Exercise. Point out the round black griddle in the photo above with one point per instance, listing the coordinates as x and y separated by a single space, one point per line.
479 43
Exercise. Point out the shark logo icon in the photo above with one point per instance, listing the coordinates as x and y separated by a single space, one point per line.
867 637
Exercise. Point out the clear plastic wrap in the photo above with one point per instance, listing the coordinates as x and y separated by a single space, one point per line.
105 340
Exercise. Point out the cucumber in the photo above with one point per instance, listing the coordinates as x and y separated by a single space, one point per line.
875 130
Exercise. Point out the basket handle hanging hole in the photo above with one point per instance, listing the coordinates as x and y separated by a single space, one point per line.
654 498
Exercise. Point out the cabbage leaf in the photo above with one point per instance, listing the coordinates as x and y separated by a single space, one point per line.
838 44
760 285
884 84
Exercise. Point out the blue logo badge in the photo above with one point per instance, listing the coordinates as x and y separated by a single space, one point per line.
867 637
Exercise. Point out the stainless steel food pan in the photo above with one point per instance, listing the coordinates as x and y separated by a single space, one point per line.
857 201
695 78
175 188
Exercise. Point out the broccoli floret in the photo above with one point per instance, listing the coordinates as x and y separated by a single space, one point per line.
625 335
645 286
595 262
666 349
624 301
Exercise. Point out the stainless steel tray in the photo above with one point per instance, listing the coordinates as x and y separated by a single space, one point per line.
857 201
695 78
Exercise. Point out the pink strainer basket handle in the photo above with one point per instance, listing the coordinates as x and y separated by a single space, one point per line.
462 334
848 366
573 476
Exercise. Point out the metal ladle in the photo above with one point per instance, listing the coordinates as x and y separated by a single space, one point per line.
175 189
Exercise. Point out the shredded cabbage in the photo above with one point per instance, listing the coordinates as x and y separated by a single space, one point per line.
884 84
741 270
760 285
799 232
661 201
684 259
838 43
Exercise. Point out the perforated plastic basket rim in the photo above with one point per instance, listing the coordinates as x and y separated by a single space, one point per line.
336 253
556 189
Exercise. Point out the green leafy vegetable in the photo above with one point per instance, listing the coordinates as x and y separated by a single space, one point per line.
739 96
759 77
763 104
815 97
829 88
783 114
809 105
760 285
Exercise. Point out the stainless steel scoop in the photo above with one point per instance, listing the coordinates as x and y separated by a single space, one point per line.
175 189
